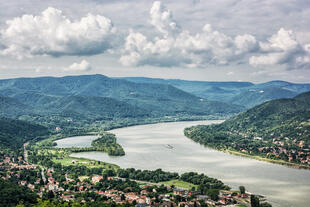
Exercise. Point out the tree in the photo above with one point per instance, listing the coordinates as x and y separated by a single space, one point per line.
254 201
242 189
213 194
50 194
265 204
123 197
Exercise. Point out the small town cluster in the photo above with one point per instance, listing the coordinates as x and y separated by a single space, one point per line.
283 148
293 151
47 184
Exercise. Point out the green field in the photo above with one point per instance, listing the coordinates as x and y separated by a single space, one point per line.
180 184
82 178
82 161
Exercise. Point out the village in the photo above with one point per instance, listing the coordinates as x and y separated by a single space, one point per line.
284 148
47 184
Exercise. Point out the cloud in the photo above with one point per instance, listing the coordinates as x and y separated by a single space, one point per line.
282 49
52 33
177 47
217 33
82 66
162 19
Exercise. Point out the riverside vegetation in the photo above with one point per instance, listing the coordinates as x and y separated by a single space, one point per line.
106 143
278 130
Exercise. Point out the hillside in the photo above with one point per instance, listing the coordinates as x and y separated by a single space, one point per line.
253 97
13 133
278 129
97 96
240 93
10 107
213 91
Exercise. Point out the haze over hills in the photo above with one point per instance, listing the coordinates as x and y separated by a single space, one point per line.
240 93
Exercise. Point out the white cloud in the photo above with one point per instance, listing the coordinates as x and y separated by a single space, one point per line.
82 66
245 43
177 47
282 49
52 33
162 19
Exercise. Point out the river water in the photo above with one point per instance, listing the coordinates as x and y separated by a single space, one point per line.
146 148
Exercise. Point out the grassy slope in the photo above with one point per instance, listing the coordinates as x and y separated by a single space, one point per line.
180 184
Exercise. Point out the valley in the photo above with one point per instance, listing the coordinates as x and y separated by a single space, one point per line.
79 128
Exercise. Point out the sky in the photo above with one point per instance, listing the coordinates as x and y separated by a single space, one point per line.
209 40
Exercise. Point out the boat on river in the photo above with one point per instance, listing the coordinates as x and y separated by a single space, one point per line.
169 146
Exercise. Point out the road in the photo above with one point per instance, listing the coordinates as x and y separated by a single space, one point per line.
26 152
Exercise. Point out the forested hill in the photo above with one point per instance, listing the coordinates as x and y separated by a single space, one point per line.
240 93
13 133
11 107
98 96
278 129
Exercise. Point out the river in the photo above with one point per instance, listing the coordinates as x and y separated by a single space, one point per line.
146 148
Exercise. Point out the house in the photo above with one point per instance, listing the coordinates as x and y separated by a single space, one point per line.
141 199
117 199
179 191
52 187
38 181
61 189
30 186
202 197
67 197
143 192
112 191
146 186
23 182
7 159
51 180
96 179
195 192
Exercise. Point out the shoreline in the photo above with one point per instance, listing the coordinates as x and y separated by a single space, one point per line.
263 159
233 152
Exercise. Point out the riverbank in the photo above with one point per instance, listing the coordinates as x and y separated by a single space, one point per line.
256 157
226 141
111 125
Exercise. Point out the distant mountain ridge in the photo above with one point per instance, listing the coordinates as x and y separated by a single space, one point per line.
240 93
98 97
101 97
